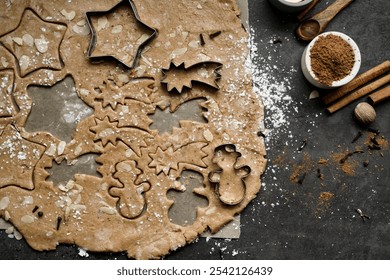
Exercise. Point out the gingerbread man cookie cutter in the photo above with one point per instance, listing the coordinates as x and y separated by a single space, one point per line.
229 180
93 41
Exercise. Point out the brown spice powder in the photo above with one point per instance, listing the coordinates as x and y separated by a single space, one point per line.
348 166
299 170
324 199
332 59
322 161
324 202
379 140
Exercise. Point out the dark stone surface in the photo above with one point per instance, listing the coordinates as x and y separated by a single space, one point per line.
289 220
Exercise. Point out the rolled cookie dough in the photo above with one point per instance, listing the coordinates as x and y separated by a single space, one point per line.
126 204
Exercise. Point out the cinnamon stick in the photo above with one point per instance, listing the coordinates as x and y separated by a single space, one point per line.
357 82
380 95
359 93
302 14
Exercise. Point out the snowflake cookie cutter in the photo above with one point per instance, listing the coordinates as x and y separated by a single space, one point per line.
229 180
205 72
139 48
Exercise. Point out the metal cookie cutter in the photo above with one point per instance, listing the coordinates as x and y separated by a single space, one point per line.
230 179
139 21
205 72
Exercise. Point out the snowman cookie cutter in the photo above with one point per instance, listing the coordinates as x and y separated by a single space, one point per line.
229 180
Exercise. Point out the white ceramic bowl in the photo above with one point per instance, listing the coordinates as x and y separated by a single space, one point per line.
290 7
311 77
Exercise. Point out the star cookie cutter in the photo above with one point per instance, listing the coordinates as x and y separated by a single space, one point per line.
205 72
229 180
141 46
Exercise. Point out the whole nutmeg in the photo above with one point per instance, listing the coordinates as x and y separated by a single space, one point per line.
364 113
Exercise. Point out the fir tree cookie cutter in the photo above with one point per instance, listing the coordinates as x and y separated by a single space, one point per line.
179 76
229 180
131 50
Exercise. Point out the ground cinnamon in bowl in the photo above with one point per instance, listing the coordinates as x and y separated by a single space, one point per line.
332 59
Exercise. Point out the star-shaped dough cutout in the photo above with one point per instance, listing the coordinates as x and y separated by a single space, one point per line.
110 94
164 160
7 108
178 76
7 60
105 131
118 33
35 43
18 158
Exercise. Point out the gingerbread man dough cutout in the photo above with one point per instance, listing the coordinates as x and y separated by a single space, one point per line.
131 203
141 139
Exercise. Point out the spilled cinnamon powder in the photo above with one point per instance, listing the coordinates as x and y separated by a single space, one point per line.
299 170
374 139
323 203
344 160
332 59
348 166
324 199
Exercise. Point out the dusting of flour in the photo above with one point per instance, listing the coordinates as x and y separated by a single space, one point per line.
272 89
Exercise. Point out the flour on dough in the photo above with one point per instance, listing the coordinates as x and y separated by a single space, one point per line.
123 204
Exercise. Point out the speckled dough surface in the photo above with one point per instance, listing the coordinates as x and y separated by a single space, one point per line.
127 61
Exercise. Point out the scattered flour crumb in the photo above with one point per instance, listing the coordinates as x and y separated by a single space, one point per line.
83 253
